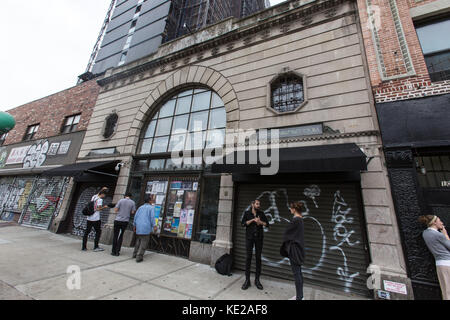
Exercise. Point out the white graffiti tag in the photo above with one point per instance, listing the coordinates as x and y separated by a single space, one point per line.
342 235
312 192
36 155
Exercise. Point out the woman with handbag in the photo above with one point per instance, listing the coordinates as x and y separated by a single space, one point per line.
293 246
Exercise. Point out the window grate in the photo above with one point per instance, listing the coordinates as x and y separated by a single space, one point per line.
287 93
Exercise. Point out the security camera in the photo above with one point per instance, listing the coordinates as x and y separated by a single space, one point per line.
118 166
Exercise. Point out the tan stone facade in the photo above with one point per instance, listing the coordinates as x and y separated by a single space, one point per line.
237 59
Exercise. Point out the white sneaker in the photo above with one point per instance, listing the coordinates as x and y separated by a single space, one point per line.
293 298
98 249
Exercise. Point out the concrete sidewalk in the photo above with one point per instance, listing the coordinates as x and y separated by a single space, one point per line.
33 265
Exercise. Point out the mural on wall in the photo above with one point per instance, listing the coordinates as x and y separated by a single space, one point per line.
332 231
44 201
79 220
36 155
37 200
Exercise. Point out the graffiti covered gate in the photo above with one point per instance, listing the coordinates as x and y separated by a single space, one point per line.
44 202
335 243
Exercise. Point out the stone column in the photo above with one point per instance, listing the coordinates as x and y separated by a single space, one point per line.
224 233
64 210
387 259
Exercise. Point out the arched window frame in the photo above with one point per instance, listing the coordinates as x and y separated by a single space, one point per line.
155 117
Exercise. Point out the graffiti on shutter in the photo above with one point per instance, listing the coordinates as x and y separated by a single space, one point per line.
332 234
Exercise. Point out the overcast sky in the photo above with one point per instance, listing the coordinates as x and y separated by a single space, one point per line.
46 45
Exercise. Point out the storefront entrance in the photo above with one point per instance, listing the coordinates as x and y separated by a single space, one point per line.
335 242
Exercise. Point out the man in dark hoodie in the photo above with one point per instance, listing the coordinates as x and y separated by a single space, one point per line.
254 220
293 246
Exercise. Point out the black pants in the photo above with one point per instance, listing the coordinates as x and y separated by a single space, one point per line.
97 225
297 270
250 243
119 229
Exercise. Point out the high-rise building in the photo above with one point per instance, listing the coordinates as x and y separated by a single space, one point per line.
136 28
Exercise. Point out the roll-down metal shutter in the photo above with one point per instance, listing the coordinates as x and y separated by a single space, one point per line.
335 244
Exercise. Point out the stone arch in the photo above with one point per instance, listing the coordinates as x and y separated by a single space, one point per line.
185 76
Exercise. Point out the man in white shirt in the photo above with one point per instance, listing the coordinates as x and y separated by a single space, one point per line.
93 221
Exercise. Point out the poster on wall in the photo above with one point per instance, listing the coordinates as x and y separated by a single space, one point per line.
175 225
64 147
157 211
187 185
181 230
195 186
160 199
175 185
190 217
183 216
148 189
53 149
189 199
168 224
177 209
188 234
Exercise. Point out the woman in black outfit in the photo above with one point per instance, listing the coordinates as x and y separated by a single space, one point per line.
293 246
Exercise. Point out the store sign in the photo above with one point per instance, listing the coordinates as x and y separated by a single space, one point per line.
17 155
301 131
395 287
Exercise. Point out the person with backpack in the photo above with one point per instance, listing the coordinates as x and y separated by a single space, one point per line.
293 246
124 208
254 220
144 223
93 221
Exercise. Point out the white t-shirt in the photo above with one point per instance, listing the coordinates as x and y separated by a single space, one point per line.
98 203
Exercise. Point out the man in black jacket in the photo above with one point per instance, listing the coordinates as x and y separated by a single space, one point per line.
254 220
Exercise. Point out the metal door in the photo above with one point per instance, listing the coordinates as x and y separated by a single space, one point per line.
334 239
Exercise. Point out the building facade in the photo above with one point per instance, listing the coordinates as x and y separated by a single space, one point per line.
138 27
299 67
409 62
48 134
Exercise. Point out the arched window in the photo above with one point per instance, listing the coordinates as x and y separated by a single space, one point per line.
193 119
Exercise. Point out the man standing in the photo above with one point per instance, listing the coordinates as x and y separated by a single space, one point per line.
144 223
254 220
124 208
93 221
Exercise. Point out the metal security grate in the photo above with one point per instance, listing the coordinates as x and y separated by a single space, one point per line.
287 93
334 240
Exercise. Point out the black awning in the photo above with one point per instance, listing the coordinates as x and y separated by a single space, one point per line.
78 169
327 158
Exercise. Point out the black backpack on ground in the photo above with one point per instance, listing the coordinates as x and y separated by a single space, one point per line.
223 264
89 210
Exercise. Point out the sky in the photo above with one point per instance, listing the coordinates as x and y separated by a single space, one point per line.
46 45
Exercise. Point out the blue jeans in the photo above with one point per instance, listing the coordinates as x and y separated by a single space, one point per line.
297 270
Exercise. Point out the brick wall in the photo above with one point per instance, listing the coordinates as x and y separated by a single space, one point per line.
50 111
393 48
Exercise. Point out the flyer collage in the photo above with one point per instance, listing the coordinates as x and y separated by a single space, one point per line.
180 211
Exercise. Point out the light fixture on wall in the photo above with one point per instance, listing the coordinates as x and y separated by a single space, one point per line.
420 167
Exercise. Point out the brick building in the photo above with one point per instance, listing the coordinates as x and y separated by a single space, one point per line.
48 134
299 67
408 52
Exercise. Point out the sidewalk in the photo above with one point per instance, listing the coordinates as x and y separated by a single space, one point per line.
34 262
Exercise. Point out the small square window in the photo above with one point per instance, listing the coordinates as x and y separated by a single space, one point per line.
31 131
71 123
